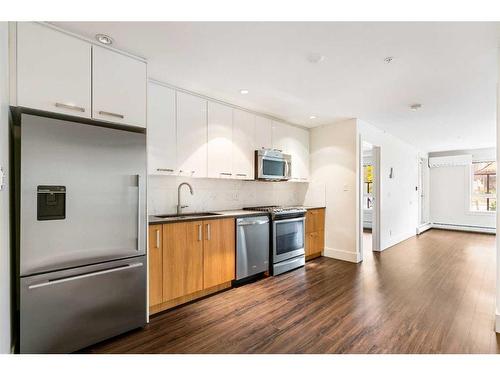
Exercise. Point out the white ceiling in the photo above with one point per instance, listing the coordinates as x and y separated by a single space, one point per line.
450 68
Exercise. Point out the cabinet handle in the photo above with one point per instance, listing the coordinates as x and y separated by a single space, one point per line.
226 174
111 114
69 106
208 232
157 238
199 233
241 174
164 170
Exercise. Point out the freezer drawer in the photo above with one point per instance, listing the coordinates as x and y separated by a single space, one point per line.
68 310
252 246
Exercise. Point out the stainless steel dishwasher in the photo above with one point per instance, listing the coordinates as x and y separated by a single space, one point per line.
252 246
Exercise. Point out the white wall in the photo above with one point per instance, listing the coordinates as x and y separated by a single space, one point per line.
5 299
398 198
333 173
450 192
219 194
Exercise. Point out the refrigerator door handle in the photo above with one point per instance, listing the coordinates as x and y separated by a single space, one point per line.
139 213
85 275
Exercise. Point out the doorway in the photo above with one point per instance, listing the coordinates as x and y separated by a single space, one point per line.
423 195
369 239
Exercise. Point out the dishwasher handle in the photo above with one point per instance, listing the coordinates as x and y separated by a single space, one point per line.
257 222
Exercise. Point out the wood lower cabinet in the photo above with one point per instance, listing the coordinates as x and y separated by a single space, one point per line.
182 259
315 232
218 252
155 265
189 260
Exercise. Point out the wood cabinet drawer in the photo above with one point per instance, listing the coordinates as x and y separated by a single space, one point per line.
315 220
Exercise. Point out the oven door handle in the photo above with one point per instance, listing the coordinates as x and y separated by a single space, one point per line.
277 221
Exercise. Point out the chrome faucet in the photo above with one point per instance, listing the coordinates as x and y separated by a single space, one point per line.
179 206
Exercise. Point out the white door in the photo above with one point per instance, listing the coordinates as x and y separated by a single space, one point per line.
263 133
119 86
53 71
162 140
243 144
191 135
220 141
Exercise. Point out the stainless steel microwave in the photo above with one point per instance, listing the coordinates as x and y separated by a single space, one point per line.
272 165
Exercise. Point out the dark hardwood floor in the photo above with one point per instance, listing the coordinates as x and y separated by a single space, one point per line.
431 294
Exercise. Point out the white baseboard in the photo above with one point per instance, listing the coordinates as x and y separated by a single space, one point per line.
465 228
497 322
422 228
348 256
395 240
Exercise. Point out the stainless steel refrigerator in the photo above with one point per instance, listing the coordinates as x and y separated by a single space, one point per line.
81 233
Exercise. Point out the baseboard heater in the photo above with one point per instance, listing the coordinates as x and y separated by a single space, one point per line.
465 228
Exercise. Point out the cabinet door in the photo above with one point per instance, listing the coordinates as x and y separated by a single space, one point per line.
155 263
263 133
182 259
243 144
315 220
281 135
218 252
53 71
162 143
315 243
298 147
119 86
191 135
220 141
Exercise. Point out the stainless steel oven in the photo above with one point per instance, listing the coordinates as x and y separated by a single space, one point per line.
288 238
272 165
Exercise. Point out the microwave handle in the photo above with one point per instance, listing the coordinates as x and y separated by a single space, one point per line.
287 169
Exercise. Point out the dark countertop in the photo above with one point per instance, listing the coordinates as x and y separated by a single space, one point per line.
152 219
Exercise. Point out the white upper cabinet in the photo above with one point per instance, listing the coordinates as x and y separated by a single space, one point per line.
220 141
191 135
162 140
294 141
119 85
53 71
281 136
263 133
243 144
299 149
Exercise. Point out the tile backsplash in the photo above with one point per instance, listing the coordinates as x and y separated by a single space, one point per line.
219 194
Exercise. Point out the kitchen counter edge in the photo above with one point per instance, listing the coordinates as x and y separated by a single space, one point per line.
152 219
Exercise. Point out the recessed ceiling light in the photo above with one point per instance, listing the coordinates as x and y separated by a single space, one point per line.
104 39
312 117
315 58
389 59
415 107
243 92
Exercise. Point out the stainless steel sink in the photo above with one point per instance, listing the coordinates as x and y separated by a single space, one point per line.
193 214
